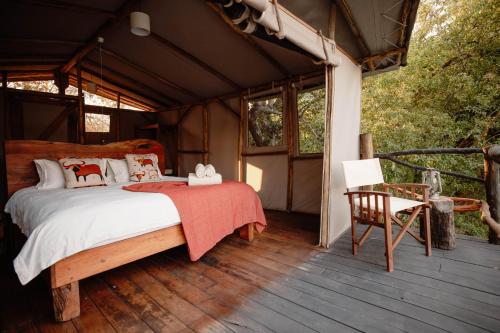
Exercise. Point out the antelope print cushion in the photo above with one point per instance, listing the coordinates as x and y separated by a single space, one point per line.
142 167
83 172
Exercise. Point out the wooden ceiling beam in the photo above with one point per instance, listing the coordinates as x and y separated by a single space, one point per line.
113 93
71 6
184 54
28 67
29 76
41 41
405 14
121 88
152 74
379 57
33 58
91 43
132 81
248 39
347 13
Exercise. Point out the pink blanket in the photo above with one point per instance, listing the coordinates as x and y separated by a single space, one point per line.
210 212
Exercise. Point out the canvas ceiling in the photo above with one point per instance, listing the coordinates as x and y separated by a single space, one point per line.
32 31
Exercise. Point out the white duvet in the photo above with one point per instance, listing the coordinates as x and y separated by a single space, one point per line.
62 222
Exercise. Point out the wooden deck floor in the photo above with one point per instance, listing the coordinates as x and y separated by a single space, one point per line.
279 283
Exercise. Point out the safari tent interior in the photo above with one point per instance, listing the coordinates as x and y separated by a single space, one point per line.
214 82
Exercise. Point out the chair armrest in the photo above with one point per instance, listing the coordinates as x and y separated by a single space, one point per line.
383 194
409 190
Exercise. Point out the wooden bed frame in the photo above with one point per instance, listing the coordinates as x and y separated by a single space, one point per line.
65 274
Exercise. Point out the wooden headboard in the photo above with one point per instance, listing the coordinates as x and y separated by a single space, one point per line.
19 156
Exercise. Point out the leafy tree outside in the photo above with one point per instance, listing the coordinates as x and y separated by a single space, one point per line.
447 96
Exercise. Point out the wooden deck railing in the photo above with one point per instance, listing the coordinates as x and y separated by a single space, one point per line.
490 210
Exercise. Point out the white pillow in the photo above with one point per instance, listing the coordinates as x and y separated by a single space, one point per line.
50 174
109 175
120 170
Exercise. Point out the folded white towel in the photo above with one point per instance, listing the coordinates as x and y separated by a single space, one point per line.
199 170
193 180
209 170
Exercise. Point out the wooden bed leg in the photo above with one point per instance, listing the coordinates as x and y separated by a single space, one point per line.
247 232
66 301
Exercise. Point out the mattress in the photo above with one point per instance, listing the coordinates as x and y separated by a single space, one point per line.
61 222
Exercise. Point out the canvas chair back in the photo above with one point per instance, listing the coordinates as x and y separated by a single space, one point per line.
362 172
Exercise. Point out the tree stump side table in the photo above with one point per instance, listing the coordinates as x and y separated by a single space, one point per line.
442 224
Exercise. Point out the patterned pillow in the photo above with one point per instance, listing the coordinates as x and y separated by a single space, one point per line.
82 172
143 167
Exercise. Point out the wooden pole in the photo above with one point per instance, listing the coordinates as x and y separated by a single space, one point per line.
91 43
205 134
117 121
492 187
152 74
291 120
241 136
179 144
365 146
3 130
366 152
81 111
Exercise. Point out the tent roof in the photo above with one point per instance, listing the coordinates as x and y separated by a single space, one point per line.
192 53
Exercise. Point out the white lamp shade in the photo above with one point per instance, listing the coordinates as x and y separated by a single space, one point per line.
140 24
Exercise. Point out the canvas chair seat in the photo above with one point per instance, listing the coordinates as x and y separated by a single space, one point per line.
397 204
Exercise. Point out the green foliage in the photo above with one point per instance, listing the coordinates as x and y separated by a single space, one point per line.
265 122
447 96
311 119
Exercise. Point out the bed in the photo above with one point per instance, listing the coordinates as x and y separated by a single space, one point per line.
69 264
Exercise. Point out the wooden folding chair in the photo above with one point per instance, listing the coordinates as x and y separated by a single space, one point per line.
381 209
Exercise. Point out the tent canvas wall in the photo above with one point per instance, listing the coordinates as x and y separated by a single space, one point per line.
198 68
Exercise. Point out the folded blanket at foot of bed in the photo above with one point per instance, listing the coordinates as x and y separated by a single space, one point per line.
209 213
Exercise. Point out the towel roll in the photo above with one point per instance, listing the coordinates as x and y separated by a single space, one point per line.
209 170
193 180
199 170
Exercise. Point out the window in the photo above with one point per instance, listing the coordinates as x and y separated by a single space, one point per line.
311 120
90 98
43 86
129 107
265 121
97 123
71 91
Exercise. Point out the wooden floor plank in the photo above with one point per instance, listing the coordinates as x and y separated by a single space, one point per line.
323 286
328 276
117 312
91 318
150 279
244 304
159 319
229 287
281 282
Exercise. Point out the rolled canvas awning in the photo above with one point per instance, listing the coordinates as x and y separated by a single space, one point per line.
273 22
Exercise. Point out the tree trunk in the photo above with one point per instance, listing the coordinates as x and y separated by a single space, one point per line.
442 224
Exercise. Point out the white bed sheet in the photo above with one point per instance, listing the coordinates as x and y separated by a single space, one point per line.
62 222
